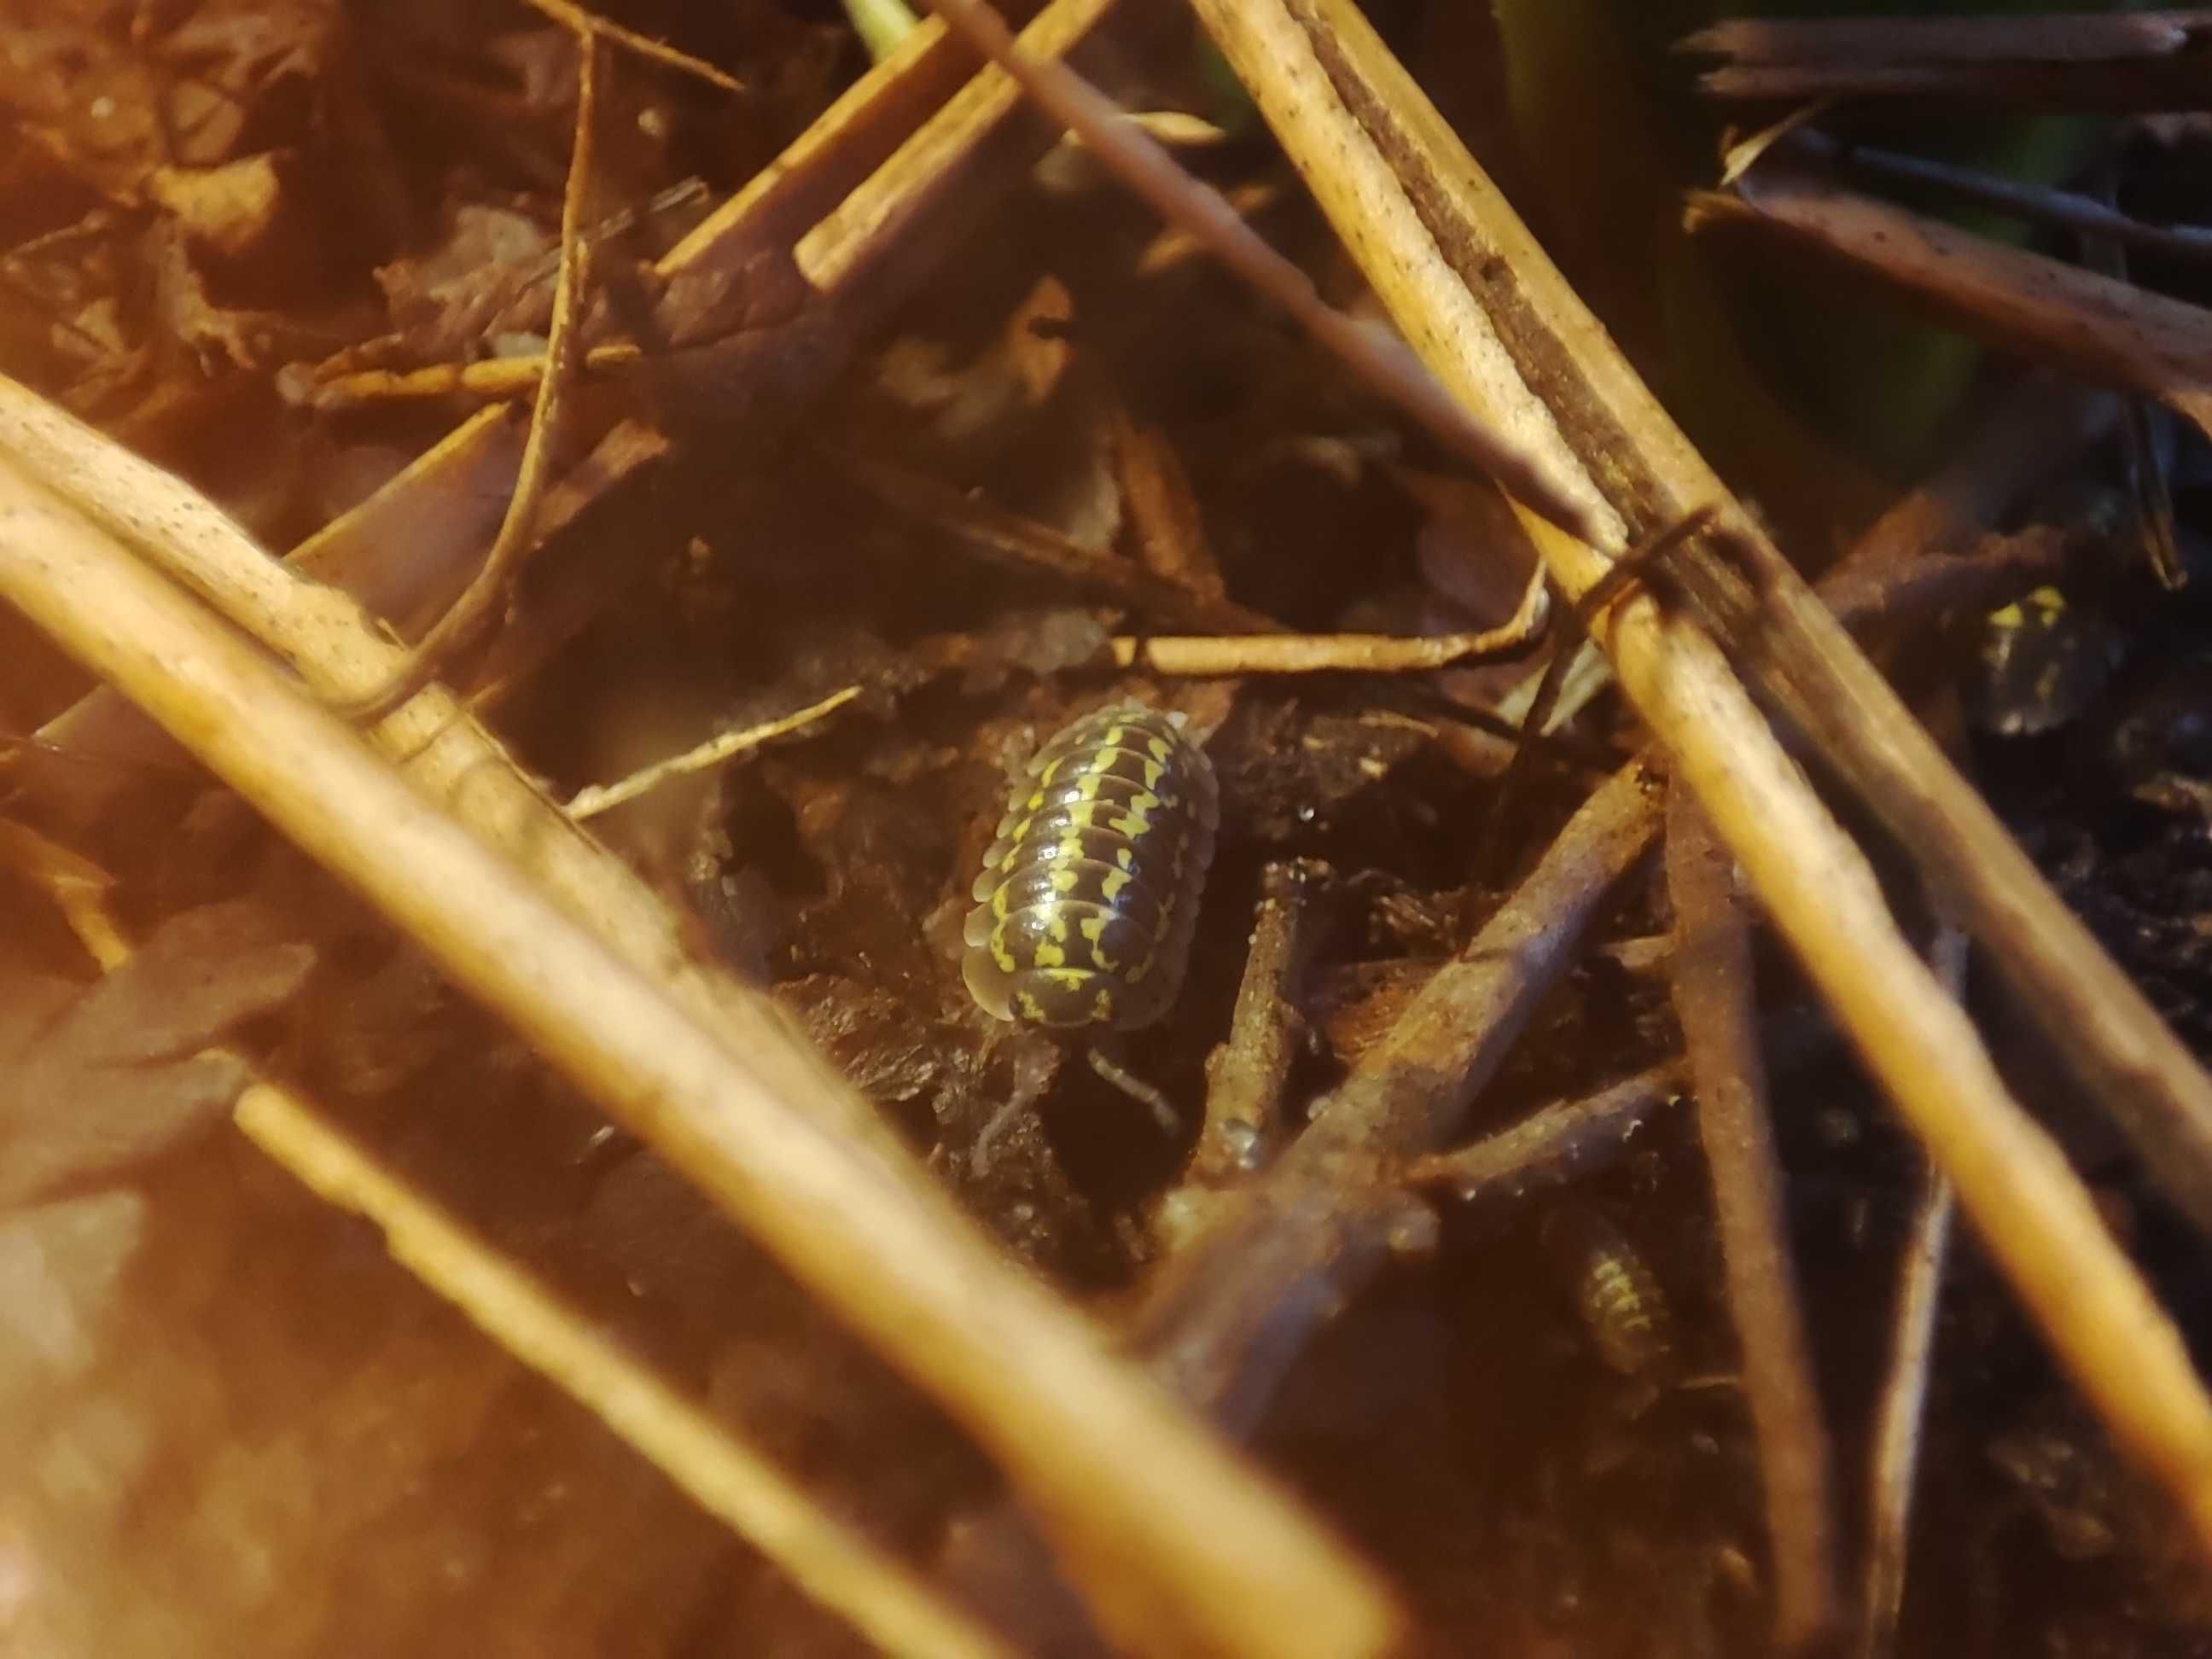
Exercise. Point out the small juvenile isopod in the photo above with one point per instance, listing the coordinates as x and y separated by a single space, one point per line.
1625 1313
1089 897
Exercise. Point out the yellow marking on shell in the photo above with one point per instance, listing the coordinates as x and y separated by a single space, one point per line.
1101 1006
1035 803
1072 978
1153 773
1043 953
1050 771
1127 858
1087 789
1001 955
1160 747
1094 929
1030 1007
1064 878
1115 880
1138 818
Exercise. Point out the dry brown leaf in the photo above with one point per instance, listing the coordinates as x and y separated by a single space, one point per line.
100 1079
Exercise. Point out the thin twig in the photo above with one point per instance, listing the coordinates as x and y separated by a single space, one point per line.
1226 1316
1245 1077
589 25
1894 1452
487 592
1015 543
1317 654
1636 564
1379 360
2153 61
595 798
1715 1000
839 1569
1569 1139
1554 1143
1181 1546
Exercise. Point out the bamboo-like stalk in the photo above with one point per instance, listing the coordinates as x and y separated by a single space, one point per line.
1180 1544
1425 223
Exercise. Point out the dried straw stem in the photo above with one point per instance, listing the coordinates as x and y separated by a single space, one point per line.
883 1600
704 1456
1181 1547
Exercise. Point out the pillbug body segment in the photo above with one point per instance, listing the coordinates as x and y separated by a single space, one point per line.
1088 899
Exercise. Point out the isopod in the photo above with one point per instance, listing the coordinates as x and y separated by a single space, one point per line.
1089 897
1622 1307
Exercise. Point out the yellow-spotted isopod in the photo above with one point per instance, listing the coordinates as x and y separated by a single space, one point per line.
1089 897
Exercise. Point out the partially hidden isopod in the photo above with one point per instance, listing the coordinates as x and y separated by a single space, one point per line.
1089 897
1626 1315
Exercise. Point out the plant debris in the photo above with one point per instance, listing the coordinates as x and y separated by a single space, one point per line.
540 542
